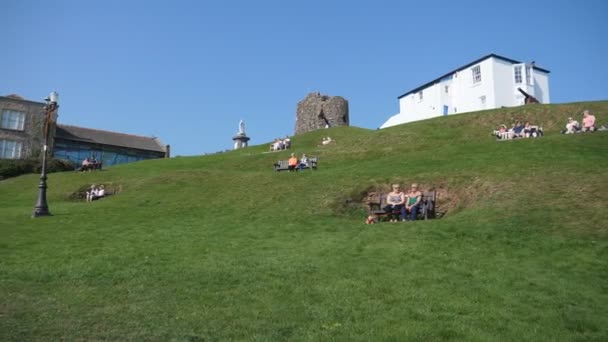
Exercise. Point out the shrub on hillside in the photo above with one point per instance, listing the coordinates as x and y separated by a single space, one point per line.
17 167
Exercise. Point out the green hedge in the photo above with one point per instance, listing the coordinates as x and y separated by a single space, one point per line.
16 167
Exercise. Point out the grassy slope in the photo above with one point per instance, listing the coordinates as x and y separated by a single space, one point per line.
220 247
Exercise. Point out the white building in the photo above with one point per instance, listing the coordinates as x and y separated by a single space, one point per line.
489 82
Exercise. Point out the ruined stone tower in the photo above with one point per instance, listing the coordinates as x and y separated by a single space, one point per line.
320 111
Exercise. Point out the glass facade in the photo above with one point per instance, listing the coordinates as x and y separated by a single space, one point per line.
76 152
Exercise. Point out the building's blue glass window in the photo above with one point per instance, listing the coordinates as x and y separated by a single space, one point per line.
108 155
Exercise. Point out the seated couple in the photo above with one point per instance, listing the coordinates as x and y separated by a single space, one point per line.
95 193
574 126
89 164
280 144
405 204
294 164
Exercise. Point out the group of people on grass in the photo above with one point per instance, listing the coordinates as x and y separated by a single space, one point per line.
588 124
89 164
402 206
518 130
326 141
95 193
527 130
295 164
281 144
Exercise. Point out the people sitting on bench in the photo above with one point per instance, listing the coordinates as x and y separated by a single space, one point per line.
395 201
413 202
89 164
95 193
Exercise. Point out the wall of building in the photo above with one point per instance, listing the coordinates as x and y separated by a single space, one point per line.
505 90
32 135
541 86
463 95
467 95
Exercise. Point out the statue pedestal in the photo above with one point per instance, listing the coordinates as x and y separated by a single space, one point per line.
240 140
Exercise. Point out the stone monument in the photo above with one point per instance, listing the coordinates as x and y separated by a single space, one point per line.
241 138
321 111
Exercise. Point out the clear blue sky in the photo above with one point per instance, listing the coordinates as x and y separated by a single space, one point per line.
188 71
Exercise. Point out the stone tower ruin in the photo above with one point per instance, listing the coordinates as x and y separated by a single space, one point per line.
320 111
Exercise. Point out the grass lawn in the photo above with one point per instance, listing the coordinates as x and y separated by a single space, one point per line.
220 247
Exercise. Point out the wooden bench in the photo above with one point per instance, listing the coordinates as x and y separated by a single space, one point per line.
282 165
426 208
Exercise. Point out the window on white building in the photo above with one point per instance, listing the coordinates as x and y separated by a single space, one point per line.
420 96
517 74
12 119
482 100
476 70
10 149
446 89
528 75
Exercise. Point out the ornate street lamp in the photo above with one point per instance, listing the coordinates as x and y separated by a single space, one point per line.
42 208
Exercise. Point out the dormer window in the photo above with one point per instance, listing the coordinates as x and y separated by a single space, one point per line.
517 74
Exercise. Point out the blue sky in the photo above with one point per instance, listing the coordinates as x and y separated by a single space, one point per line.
188 71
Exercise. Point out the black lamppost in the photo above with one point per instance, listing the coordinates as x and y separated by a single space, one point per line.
42 208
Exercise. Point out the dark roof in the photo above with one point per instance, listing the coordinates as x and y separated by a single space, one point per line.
96 136
17 98
512 61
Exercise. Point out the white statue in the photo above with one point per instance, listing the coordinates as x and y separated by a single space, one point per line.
241 127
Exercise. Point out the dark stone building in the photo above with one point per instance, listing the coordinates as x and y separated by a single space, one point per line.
22 128
22 136
320 111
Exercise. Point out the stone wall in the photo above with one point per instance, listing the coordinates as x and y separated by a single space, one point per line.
32 136
319 111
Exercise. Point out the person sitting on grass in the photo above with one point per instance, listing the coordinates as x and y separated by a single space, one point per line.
572 126
588 122
292 163
413 202
395 203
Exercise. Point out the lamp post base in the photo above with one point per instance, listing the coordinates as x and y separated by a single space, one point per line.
41 212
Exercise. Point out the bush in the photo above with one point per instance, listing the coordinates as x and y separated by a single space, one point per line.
17 167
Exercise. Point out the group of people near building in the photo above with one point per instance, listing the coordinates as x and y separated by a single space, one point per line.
96 192
89 164
588 124
518 130
401 206
295 164
281 144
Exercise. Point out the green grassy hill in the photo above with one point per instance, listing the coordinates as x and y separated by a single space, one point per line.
221 247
